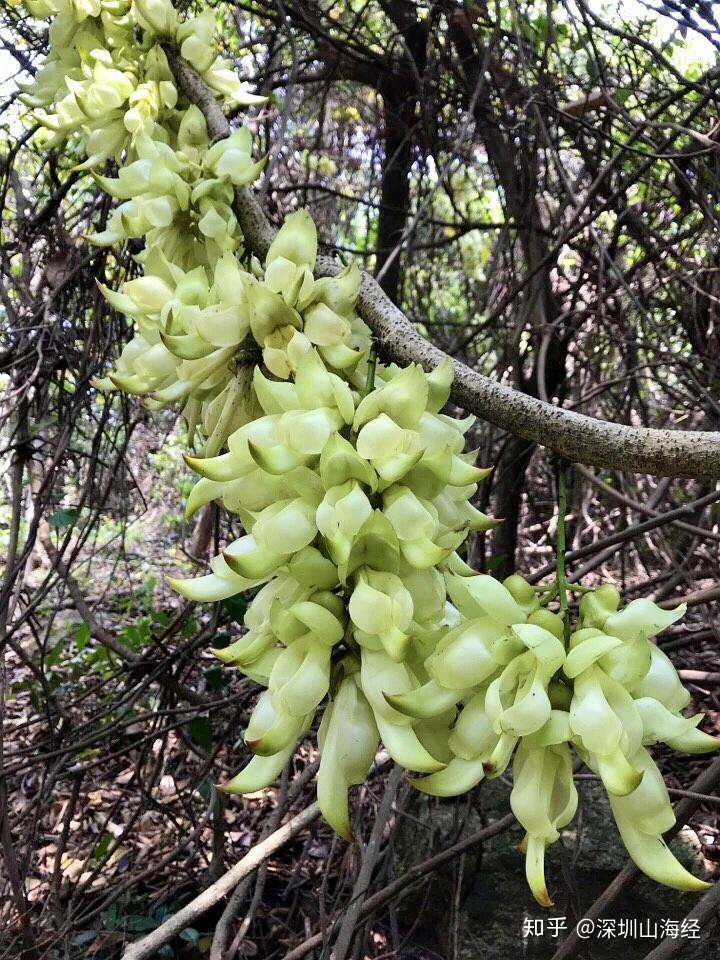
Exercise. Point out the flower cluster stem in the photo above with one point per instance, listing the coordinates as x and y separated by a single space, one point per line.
370 379
560 573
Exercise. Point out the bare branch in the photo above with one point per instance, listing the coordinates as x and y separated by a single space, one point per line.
148 946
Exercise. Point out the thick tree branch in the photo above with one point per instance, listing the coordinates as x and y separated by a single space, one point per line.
665 453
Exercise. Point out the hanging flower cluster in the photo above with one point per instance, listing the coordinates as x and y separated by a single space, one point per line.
608 693
351 485
107 78
180 200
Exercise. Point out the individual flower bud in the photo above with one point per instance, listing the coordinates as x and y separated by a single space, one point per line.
662 683
433 734
259 773
464 657
246 648
642 617
283 591
544 800
678 732
427 589
295 241
339 292
380 674
482 595
587 646
473 735
323 327
604 717
310 568
382 607
390 449
149 294
522 593
225 81
443 434
410 517
268 312
193 128
271 730
642 817
429 701
252 492
307 431
549 621
285 527
340 462
340 516
316 387
629 662
248 558
104 143
375 545
456 778
212 223
212 587
517 701
196 47
159 16
348 740
597 605
402 399
322 618
439 383
300 677
231 158
223 325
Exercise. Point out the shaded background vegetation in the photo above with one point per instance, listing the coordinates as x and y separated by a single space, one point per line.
537 186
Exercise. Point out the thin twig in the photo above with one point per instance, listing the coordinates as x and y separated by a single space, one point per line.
150 944
370 857
400 887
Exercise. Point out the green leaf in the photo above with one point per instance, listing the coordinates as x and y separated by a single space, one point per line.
204 789
110 916
82 635
222 639
236 607
214 677
201 732
136 635
139 924
101 847
190 934
52 657
64 517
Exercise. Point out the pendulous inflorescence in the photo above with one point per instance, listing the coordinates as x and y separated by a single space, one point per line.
353 488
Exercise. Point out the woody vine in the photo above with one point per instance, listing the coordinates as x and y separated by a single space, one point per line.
353 487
